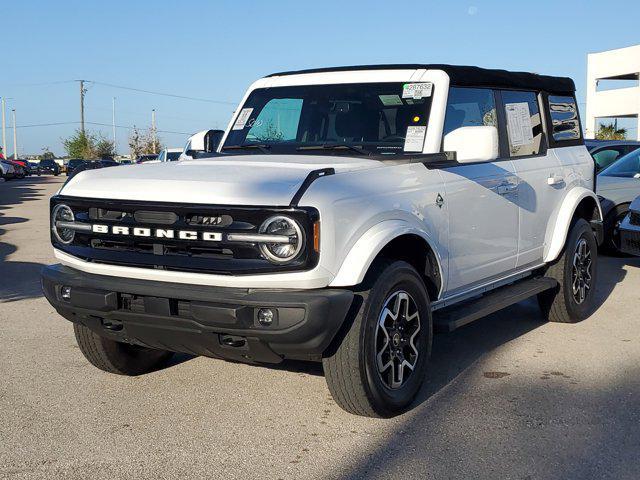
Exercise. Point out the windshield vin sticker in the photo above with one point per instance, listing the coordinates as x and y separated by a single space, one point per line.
414 139
241 121
417 90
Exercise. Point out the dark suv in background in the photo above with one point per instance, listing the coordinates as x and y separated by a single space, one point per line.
73 164
50 167
605 152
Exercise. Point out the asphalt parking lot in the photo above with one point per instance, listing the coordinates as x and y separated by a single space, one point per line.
507 397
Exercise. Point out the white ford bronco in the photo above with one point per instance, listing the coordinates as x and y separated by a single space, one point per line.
347 215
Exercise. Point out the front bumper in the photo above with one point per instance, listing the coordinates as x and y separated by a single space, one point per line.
201 320
629 237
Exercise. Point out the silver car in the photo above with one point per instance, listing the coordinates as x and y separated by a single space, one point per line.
617 186
630 230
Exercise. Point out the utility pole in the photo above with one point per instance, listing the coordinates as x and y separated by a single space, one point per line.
114 125
82 92
153 131
15 136
4 126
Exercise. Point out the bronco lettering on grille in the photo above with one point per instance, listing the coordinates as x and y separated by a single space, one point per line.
157 233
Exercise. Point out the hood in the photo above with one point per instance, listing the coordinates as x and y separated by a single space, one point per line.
234 180
605 182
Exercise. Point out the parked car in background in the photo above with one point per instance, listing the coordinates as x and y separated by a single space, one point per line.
72 164
146 158
630 230
50 167
203 142
34 167
126 162
617 186
169 154
605 152
7 170
20 171
107 162
93 165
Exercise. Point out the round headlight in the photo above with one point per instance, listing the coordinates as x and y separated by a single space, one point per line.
62 213
282 252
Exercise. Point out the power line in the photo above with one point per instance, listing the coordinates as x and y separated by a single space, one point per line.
40 84
129 127
184 97
44 124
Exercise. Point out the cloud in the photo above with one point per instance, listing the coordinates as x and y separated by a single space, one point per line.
472 10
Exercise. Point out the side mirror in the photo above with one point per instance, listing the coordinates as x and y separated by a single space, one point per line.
473 144
212 140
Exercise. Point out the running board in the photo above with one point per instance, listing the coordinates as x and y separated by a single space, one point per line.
456 316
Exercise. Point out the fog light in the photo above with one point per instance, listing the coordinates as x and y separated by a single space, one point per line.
65 293
265 317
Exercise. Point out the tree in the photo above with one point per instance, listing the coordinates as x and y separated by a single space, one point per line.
80 145
143 144
104 148
46 154
611 132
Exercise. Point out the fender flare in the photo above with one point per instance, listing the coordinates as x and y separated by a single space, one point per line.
558 227
363 252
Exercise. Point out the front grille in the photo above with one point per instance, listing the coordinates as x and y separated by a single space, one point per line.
218 255
634 218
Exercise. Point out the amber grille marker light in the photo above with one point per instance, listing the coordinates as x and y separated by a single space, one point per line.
316 236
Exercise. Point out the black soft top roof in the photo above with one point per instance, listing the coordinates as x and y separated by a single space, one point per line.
468 76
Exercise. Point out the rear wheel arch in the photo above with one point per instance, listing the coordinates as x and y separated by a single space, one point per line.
579 203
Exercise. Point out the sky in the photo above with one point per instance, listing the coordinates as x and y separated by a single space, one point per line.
213 50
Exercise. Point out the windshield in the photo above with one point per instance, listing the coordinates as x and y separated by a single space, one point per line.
375 118
627 166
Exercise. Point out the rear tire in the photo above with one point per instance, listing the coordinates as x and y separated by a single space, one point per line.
377 364
116 357
576 271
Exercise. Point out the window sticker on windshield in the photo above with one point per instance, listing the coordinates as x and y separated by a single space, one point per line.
241 121
417 90
519 124
414 139
389 100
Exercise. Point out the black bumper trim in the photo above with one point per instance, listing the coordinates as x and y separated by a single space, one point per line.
199 319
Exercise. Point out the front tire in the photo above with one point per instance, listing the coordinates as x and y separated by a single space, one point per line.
116 357
376 366
576 271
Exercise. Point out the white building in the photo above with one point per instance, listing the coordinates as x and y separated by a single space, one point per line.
619 64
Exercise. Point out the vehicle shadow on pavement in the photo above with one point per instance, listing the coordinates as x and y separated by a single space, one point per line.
18 280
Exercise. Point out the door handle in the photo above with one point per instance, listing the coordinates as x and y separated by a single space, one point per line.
555 180
507 188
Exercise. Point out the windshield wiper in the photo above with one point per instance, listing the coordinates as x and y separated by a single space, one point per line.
263 147
335 146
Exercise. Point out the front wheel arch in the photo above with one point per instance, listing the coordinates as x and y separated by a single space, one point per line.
393 240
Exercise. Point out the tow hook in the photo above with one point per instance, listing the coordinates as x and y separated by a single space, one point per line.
233 341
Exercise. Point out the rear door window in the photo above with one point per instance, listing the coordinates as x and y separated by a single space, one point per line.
524 124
